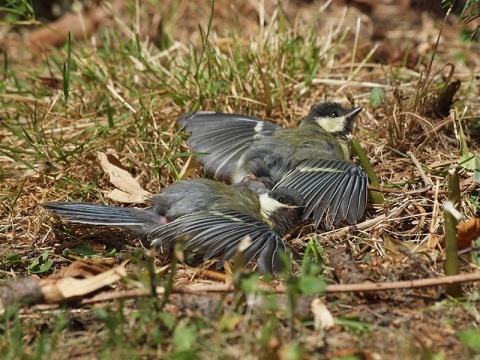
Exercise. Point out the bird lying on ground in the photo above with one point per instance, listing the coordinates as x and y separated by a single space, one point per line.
313 158
211 218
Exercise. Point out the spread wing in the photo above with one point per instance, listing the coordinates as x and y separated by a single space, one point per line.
334 190
218 233
223 138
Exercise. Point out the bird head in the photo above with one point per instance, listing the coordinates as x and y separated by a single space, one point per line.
332 117
281 208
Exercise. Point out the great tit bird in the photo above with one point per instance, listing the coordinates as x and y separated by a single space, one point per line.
313 158
211 218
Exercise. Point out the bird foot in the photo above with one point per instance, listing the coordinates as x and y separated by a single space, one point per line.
256 184
250 177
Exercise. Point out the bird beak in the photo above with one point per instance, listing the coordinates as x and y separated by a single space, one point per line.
354 112
298 207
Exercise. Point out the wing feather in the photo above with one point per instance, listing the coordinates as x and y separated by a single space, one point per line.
334 190
218 234
224 138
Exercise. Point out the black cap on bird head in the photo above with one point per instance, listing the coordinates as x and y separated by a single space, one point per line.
333 117
289 197
283 208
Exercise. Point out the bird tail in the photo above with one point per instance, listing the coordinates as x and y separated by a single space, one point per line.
136 220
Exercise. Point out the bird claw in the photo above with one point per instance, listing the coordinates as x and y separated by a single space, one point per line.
255 184
250 177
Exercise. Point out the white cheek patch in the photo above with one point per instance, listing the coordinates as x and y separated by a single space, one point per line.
332 125
268 204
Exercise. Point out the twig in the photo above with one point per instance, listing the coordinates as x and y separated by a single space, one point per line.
399 191
114 92
417 164
281 289
54 290
385 190
427 190
213 275
20 291
368 223
417 261
362 226
406 284
435 211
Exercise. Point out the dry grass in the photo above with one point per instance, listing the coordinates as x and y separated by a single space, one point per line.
124 95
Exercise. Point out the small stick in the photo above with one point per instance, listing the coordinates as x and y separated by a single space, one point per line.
367 223
282 289
417 164
427 190
213 275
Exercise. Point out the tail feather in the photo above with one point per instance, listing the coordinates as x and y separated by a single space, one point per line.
136 220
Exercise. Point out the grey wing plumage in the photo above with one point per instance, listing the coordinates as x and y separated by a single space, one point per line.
223 138
218 233
334 190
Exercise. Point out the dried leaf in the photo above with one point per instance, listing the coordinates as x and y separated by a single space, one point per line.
128 190
123 197
79 25
398 248
188 168
323 319
84 269
467 232
57 290
68 288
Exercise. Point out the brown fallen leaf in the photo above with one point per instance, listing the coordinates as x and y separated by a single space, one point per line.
80 25
396 248
69 289
123 197
58 290
128 189
83 269
468 231
188 168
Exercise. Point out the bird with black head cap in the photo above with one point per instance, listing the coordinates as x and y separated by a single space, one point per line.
313 158
210 218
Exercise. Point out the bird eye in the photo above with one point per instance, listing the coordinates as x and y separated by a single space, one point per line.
334 114
281 199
